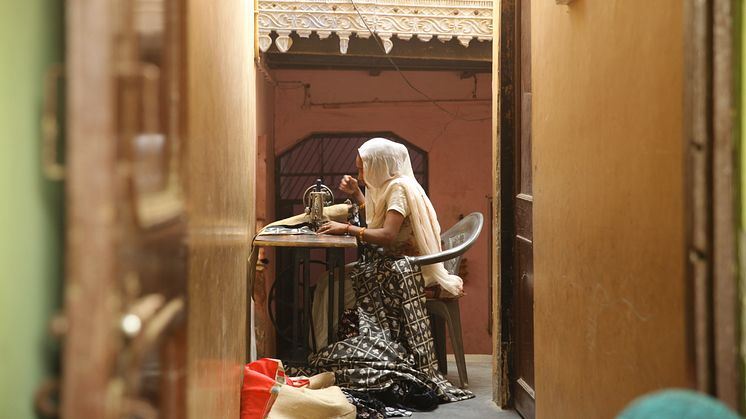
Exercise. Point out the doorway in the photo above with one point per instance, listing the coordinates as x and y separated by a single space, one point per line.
314 89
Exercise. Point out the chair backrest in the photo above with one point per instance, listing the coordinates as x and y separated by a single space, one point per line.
456 241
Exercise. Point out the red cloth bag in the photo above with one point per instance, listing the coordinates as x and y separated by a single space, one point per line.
262 381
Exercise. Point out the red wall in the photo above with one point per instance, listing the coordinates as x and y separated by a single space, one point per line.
459 149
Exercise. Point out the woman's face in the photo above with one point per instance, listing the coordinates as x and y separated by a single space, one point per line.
360 174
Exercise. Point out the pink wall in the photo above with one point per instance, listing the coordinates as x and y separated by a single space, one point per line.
459 149
265 113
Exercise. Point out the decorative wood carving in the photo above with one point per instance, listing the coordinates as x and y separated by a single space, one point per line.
424 19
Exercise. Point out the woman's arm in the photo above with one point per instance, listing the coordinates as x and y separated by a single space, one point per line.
383 236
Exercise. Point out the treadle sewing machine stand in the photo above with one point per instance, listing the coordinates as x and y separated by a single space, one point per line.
301 245
315 199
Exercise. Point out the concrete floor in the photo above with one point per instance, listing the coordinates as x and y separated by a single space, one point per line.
479 368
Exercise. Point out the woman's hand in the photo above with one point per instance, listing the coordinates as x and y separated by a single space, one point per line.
333 227
349 185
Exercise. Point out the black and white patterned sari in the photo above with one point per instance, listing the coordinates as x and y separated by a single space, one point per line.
392 357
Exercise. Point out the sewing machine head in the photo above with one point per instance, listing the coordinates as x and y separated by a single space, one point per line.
315 198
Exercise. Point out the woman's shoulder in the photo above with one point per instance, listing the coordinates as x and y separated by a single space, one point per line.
402 188
396 199
402 184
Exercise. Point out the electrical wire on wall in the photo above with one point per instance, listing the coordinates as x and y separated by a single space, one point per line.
404 77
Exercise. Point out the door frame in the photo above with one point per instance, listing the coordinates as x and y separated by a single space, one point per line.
91 239
711 141
504 128
221 172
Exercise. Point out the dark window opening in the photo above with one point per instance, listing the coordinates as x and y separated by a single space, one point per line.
329 157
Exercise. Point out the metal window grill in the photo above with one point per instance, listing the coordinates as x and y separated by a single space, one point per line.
329 157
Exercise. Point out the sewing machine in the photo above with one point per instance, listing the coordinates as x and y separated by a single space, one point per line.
318 196
315 198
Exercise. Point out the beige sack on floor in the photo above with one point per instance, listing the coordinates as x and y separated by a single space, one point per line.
306 403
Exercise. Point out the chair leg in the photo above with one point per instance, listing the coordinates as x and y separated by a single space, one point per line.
450 312
439 341
457 342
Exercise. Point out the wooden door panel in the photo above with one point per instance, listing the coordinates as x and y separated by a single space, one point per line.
150 111
523 303
126 245
524 28
524 221
90 211
217 325
221 168
526 180
524 339
523 381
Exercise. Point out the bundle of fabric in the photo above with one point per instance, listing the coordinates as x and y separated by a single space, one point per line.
390 363
269 393
336 212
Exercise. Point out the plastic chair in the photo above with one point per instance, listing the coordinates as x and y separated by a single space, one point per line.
456 241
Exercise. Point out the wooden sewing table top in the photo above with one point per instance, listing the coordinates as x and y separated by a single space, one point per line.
304 240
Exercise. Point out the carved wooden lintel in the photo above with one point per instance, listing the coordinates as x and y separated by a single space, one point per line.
464 20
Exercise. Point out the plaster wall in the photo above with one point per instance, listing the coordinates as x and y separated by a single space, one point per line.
459 151
608 205
31 209
265 113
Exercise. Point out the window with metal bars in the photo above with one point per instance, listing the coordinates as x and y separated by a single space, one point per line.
328 157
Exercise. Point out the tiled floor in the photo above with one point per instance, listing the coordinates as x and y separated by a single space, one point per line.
479 368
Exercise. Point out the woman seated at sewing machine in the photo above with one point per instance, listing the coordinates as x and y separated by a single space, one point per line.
386 352
400 217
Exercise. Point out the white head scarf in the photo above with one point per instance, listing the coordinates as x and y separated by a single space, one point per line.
385 164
